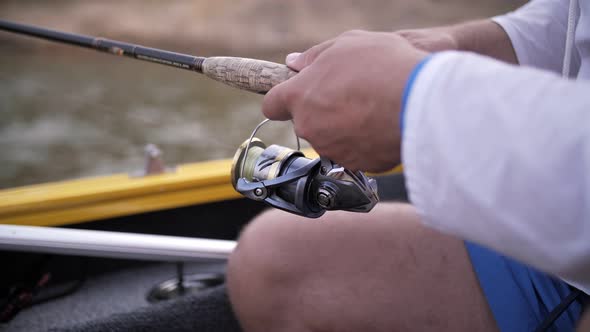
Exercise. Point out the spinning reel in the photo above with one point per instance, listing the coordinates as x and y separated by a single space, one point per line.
284 178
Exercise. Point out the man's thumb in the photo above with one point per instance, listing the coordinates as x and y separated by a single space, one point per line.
298 61
291 58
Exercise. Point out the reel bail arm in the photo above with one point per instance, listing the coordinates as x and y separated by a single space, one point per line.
284 178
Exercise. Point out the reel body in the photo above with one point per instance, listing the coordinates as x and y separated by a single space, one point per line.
284 178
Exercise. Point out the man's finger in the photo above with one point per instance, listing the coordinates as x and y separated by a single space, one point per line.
298 61
274 104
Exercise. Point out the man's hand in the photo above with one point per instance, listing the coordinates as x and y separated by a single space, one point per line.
347 96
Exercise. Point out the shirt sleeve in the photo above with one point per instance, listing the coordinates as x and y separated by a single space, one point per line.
500 155
537 31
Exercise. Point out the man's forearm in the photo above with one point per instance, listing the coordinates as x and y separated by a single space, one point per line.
484 37
533 35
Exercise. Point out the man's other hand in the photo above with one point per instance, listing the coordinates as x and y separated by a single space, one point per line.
347 97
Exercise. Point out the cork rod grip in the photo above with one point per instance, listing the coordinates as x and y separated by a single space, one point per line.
249 74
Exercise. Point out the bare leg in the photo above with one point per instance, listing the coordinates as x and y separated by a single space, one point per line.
381 271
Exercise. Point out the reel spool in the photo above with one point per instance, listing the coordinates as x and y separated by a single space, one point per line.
284 178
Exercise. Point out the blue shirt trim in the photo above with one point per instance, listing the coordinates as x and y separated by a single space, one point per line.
408 89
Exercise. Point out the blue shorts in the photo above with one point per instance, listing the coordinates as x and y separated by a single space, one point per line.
519 296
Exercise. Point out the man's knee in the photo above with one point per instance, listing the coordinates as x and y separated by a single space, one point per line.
267 248
263 272
284 250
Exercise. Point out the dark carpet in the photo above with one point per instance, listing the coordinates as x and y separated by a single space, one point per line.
208 311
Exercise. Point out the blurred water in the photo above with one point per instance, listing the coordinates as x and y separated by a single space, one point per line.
79 114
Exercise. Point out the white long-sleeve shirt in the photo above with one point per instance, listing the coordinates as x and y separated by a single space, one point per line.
500 154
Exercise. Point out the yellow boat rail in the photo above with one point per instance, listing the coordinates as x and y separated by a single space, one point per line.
83 200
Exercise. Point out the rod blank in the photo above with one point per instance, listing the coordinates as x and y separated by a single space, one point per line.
248 74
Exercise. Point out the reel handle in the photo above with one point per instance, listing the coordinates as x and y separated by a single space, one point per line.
248 74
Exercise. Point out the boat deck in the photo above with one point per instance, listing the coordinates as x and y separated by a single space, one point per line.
113 296
117 301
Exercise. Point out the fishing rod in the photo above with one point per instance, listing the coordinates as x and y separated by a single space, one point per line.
277 175
248 74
